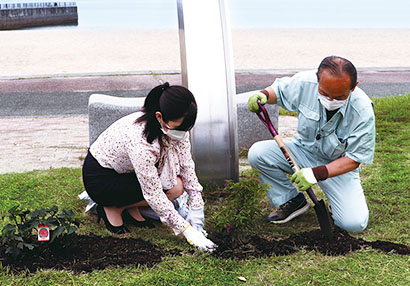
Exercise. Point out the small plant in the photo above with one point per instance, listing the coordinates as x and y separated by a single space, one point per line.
242 206
21 231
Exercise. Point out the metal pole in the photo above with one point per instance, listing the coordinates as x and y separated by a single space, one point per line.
208 72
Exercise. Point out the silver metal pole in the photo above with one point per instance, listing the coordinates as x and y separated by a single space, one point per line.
208 72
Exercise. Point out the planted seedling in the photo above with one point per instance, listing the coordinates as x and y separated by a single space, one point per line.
21 231
237 216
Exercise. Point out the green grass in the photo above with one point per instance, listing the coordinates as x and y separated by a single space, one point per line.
386 183
284 112
387 180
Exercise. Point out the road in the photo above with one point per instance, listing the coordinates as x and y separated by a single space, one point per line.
68 95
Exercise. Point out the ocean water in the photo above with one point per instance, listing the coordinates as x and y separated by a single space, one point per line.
159 14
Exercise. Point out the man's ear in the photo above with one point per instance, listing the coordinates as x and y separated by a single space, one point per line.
355 85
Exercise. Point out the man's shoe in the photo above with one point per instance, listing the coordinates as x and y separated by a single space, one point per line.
289 210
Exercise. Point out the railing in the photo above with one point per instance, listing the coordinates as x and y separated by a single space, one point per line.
37 5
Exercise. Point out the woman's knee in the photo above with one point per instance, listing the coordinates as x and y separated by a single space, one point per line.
176 191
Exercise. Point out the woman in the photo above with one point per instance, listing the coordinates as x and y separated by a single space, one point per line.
144 159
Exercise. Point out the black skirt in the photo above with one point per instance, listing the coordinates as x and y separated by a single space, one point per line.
107 187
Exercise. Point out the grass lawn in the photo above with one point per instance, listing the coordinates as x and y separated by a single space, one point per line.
386 184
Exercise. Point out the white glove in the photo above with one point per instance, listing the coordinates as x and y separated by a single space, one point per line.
196 218
197 239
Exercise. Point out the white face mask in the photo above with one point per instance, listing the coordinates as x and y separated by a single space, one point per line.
174 134
331 104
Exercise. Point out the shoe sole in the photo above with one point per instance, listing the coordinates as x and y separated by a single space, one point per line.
293 215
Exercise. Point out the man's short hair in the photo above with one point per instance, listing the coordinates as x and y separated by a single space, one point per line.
338 66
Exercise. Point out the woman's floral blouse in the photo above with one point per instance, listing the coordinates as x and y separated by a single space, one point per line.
124 148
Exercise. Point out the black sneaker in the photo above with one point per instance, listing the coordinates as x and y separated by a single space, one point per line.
289 210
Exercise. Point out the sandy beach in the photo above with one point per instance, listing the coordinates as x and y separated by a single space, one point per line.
50 52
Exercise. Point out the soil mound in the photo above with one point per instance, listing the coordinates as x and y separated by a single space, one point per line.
86 253
341 243
80 253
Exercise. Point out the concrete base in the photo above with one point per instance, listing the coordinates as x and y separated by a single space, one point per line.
103 110
250 128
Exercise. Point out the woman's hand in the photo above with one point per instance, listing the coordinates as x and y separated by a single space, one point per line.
196 218
198 239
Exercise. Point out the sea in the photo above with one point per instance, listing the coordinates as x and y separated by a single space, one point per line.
244 14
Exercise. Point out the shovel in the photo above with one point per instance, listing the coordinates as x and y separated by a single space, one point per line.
319 206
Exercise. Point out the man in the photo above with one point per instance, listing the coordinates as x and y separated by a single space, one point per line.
336 133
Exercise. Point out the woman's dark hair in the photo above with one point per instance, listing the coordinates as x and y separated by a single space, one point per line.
173 102
337 66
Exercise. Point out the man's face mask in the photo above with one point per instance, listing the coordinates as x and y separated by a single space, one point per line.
331 104
173 134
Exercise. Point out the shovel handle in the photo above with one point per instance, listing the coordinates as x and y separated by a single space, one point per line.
264 117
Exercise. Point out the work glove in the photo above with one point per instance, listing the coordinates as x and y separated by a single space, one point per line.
198 239
304 179
253 101
196 218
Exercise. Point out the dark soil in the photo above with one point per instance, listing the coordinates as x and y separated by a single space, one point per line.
87 253
341 243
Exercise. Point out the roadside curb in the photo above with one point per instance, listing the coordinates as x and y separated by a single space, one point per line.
173 72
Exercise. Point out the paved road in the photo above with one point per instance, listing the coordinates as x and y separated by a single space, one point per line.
44 124
43 142
69 95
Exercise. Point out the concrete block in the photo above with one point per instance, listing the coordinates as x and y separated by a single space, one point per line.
103 110
250 128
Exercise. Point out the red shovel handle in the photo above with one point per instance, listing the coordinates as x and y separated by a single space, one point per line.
264 117
266 120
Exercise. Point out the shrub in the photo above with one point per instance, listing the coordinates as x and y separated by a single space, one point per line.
237 215
21 231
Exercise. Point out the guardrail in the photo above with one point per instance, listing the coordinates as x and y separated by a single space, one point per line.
36 5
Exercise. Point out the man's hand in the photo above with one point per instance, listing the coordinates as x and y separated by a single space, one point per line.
196 218
304 179
253 101
197 239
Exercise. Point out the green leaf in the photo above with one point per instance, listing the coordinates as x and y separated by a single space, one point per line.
29 246
72 229
9 227
10 250
39 213
52 221
56 233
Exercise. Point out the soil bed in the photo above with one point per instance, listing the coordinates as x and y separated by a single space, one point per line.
341 243
88 253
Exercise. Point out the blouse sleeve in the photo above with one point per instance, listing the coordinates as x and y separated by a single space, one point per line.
143 157
188 175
